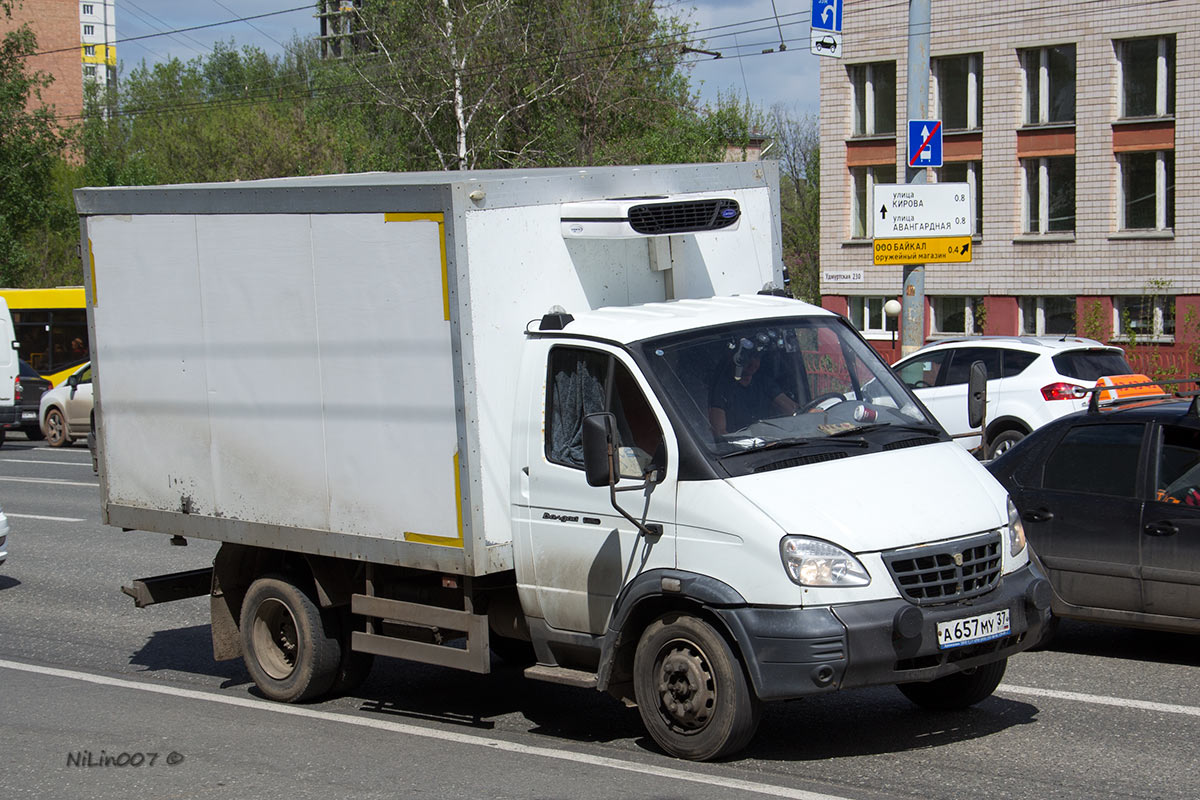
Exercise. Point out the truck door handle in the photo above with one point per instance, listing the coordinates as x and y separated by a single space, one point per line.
1038 515
1161 529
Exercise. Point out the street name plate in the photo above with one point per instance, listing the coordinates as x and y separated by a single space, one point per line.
932 250
921 210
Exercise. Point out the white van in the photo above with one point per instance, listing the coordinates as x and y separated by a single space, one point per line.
10 368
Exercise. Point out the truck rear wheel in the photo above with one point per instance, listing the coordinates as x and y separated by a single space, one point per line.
691 691
291 648
958 691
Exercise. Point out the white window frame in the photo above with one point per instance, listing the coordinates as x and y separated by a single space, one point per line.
1042 199
875 323
89 30
88 9
1163 77
89 49
974 107
1042 55
1160 191
1039 317
863 212
1157 333
89 70
868 97
969 304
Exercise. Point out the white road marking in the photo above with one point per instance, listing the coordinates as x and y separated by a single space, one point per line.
1100 700
52 481
38 516
431 733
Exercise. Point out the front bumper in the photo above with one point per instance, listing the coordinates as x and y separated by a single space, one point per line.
798 652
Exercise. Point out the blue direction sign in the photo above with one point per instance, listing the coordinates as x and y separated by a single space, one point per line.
924 143
827 15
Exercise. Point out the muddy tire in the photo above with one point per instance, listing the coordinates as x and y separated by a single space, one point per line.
958 691
1003 442
56 429
290 647
691 691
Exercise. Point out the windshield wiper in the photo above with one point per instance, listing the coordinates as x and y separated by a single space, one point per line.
798 441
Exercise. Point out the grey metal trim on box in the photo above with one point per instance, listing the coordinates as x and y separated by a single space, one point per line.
418 191
334 544
475 658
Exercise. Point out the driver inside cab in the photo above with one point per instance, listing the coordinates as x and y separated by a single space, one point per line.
741 395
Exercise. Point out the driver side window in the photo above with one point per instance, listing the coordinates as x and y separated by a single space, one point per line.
922 372
583 382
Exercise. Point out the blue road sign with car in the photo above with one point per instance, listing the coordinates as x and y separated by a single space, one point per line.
827 15
924 143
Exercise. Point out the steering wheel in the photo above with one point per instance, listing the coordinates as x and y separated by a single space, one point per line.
821 398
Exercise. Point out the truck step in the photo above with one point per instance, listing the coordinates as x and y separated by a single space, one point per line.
568 677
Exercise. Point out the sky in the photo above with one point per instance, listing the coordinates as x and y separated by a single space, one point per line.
737 29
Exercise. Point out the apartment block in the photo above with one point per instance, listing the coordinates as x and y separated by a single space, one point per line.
1075 124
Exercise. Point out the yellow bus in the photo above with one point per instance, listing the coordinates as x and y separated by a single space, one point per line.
51 328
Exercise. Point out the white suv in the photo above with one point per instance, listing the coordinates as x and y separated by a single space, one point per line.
1031 380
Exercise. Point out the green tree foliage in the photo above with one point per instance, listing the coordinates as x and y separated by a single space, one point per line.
797 146
30 146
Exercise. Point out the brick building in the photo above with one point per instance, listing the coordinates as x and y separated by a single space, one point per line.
1076 123
75 40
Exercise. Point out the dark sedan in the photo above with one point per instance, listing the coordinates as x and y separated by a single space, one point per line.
27 393
1111 505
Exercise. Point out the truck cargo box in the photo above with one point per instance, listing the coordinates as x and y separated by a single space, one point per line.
326 364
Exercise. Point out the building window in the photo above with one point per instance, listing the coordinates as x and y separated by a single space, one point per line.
1147 199
1047 316
969 172
874 88
1144 317
1048 194
958 91
89 70
89 30
89 49
865 179
1147 76
1049 84
952 315
866 314
87 9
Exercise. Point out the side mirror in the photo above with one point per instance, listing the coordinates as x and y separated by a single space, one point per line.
977 395
599 454
73 380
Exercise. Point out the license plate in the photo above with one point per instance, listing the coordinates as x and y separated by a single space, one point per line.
28 415
972 630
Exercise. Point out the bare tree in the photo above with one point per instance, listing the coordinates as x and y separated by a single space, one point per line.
797 143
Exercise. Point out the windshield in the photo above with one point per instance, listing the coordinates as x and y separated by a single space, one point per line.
797 380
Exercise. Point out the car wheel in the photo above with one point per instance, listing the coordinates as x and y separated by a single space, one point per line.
691 692
958 691
56 429
290 647
1003 442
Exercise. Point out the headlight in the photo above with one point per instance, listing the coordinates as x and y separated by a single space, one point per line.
1015 530
812 562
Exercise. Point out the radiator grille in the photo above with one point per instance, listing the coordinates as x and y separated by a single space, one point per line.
692 215
946 572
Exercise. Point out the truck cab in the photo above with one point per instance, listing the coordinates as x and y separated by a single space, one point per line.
834 538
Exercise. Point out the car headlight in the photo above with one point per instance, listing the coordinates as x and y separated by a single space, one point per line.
1015 529
812 562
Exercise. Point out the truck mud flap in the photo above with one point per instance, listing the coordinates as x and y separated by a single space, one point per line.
428 634
166 588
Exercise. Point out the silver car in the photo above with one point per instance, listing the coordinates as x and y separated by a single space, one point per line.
65 412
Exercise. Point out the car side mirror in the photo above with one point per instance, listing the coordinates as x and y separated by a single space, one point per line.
976 395
73 381
599 452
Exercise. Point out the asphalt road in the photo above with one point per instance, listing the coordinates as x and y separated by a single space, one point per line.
89 685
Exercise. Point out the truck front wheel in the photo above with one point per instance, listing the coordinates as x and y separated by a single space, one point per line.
291 648
958 691
691 691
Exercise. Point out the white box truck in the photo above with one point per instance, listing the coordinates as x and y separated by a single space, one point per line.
548 413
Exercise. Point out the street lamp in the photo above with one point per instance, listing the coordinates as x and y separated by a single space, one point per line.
892 309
